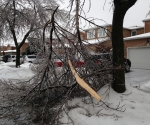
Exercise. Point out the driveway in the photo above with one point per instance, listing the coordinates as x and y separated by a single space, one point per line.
137 77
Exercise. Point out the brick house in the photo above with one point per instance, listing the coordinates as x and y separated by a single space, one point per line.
100 37
140 36
137 47
136 42
7 49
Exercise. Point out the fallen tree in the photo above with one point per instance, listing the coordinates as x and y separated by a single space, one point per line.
44 98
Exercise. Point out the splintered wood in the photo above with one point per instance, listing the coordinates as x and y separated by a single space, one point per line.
83 84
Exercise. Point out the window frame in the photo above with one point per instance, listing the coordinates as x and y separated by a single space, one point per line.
132 31
103 32
91 34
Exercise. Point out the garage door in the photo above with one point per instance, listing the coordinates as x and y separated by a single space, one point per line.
140 57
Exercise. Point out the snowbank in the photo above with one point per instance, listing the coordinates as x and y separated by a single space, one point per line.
145 87
9 72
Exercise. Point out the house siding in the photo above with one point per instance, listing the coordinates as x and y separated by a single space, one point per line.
83 36
126 33
24 46
140 31
3 48
134 43
147 26
109 29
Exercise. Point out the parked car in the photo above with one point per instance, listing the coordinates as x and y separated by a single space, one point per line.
11 58
103 59
1 58
100 58
5 58
60 60
107 58
29 58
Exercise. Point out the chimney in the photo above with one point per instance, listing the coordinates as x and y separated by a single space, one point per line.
146 25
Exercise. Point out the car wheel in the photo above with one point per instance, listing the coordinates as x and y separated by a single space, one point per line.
127 67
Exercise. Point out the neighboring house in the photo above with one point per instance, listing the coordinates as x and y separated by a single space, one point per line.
10 52
11 49
136 42
99 38
8 47
137 47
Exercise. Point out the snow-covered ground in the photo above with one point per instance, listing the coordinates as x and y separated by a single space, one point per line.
136 103
136 99
8 71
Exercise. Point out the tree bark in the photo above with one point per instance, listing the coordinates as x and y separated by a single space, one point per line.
121 7
17 57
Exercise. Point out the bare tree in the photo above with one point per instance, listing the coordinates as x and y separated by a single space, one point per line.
120 9
21 19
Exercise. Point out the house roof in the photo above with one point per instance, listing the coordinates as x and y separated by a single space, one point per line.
9 51
141 36
129 28
146 20
105 25
96 41
135 27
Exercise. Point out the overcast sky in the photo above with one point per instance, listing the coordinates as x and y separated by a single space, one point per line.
102 10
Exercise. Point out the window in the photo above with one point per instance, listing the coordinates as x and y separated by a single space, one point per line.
101 32
91 34
133 32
